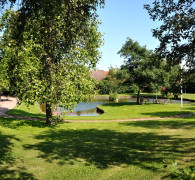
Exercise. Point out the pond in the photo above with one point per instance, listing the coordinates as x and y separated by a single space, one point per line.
90 109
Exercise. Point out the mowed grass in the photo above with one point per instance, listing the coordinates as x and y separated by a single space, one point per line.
189 96
27 111
130 110
185 95
115 111
95 150
86 151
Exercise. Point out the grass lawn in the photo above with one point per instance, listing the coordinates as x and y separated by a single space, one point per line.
130 110
126 110
185 95
28 111
85 151
98 150
189 96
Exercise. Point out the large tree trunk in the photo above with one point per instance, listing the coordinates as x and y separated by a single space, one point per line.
138 97
48 113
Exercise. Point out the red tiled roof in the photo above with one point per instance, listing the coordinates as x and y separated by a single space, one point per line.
106 72
99 74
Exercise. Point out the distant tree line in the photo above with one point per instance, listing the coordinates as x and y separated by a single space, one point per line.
145 71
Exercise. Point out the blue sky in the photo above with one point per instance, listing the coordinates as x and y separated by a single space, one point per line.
121 19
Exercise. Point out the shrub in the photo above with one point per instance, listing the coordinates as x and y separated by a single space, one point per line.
113 96
105 86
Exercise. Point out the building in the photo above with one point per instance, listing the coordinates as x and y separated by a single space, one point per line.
99 74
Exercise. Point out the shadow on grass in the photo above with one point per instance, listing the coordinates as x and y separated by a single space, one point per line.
166 113
105 148
17 112
18 174
5 148
162 124
14 123
124 104
191 108
7 161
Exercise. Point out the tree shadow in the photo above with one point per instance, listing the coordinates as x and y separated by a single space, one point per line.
2 100
17 174
14 123
166 113
124 104
105 148
162 124
113 104
3 110
5 148
7 161
191 108
17 112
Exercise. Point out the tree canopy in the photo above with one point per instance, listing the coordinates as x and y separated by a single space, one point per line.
146 70
116 81
176 34
50 47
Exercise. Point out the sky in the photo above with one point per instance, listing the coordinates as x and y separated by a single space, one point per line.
121 19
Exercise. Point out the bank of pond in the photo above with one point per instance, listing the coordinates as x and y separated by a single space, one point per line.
93 108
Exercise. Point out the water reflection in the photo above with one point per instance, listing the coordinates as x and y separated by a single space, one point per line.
84 109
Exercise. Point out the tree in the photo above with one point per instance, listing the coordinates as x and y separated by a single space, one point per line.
146 70
3 77
176 34
189 82
172 80
115 81
50 47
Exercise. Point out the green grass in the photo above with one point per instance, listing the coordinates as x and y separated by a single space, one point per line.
109 150
27 111
85 151
116 111
132 111
185 95
189 96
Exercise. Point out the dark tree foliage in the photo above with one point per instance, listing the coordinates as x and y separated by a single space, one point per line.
189 82
146 70
117 80
176 34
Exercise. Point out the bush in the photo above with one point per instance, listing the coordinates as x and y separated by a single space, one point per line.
104 86
113 96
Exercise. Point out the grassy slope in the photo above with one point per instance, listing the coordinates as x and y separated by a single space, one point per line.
30 111
86 151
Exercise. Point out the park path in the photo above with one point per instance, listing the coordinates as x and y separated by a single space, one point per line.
6 104
10 103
